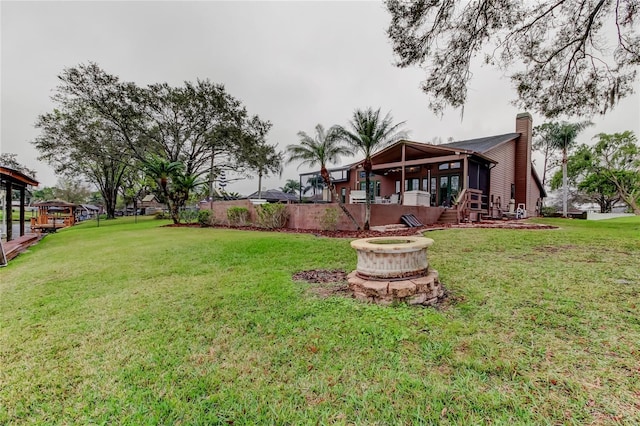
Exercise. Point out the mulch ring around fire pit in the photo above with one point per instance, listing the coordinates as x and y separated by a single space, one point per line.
333 282
325 282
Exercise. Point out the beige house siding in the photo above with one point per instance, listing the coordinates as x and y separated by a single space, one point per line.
503 174
533 197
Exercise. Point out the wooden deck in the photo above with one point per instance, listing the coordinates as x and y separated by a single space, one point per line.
16 246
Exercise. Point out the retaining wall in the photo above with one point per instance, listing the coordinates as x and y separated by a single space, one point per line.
309 216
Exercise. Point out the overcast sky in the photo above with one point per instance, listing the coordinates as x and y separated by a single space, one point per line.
293 63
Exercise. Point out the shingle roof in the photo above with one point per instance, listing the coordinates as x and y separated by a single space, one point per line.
482 145
274 195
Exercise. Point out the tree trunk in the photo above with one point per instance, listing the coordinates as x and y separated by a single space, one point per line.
631 198
110 197
174 209
260 185
327 180
565 190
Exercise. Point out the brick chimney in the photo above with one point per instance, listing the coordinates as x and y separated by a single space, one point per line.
524 126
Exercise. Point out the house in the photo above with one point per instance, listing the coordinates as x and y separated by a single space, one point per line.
494 174
86 211
150 205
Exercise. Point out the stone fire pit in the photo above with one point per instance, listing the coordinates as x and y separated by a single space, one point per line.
394 269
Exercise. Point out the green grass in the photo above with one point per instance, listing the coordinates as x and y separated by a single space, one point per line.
139 324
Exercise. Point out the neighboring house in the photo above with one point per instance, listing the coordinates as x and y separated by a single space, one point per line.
150 204
275 196
86 211
498 169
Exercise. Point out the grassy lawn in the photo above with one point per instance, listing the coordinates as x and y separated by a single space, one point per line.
138 324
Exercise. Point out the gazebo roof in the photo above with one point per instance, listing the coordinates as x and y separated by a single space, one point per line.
54 203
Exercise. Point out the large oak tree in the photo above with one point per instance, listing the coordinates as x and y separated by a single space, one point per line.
567 57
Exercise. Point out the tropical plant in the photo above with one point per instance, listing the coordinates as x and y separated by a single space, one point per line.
272 216
562 137
292 186
173 181
368 132
238 216
261 157
323 148
329 219
314 183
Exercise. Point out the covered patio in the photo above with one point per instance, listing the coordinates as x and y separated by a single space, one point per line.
13 180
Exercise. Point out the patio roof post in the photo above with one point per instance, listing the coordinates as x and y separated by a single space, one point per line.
22 200
402 188
9 209
465 172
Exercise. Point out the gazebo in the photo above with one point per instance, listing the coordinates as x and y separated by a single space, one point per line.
53 214
11 180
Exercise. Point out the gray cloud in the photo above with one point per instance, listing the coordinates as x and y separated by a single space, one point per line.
294 63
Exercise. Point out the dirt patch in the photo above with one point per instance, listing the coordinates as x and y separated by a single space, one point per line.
321 276
325 282
333 282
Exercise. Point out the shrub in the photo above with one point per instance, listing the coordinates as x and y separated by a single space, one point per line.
159 215
272 216
204 217
188 215
549 212
238 216
329 219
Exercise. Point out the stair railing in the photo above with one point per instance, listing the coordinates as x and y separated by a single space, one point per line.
469 200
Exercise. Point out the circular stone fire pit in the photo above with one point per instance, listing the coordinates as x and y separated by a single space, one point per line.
394 269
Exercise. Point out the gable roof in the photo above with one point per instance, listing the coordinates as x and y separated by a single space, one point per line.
482 145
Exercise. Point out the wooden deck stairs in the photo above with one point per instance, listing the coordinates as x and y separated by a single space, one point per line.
19 245
468 208
449 216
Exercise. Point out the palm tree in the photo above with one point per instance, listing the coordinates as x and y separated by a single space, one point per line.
367 132
264 161
314 183
161 171
563 137
292 186
174 182
324 148
183 185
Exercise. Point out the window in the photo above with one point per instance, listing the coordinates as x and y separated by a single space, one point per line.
374 185
451 165
397 186
411 184
513 191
